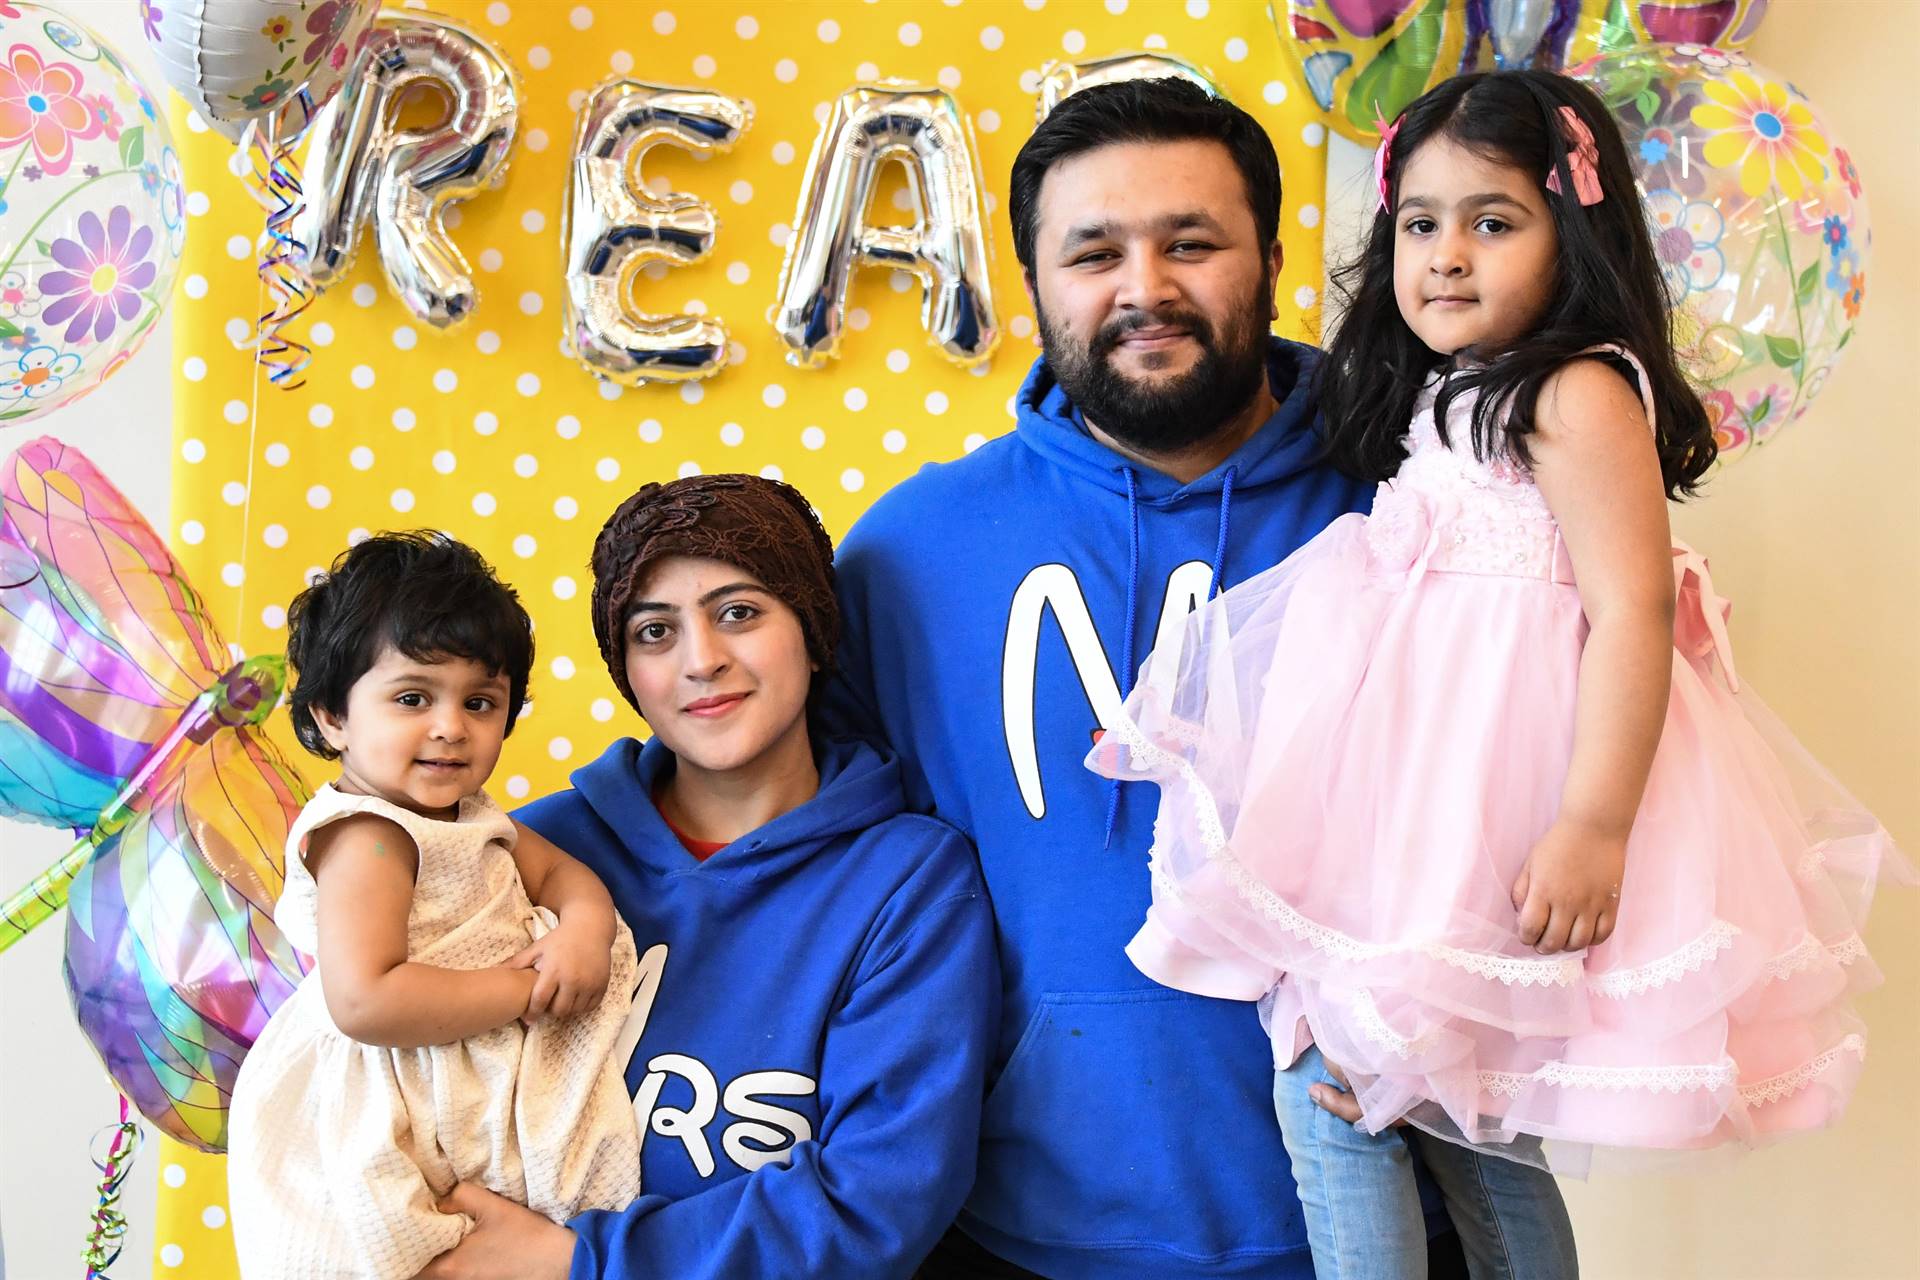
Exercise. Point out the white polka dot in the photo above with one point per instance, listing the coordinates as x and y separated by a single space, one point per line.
444 462
485 423
1274 92
1197 8
362 376
321 415
195 285
704 66
565 508
527 384
692 392
656 270
531 302
498 14
740 192
786 71
813 438
663 23
564 587
732 433
1236 50
903 199
239 247
828 30
171 1255
779 233
576 100
694 307
192 532
319 497
1029 81
198 203
233 574
233 493
867 71
487 341
405 338
238 331
858 319
992 37
402 499
738 273
567 427
403 419
445 380
783 153
275 617
1036 5
361 459
193 368
491 260
898 361
1020 326
949 78
747 27
772 471
560 748
274 535
173 1175
581 17
773 395
1309 215
651 430
524 546
1155 41
1305 296
1116 6
855 399
902 281
321 334
973 441
278 455
237 164
1074 42
852 480
1314 134
562 668
608 469
909 34
988 121
484 504
539 58
533 221
526 466
600 709
894 441
364 295
518 787
936 403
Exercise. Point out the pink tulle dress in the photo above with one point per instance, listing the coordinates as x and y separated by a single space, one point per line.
1357 750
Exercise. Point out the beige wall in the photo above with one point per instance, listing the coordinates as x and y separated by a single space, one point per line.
1817 540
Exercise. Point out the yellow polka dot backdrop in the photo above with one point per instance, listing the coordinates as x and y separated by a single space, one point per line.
492 432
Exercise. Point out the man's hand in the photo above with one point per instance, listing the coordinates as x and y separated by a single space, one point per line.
1339 1102
508 1241
573 963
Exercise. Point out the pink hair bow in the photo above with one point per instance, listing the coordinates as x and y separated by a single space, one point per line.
1583 159
1383 154
1700 612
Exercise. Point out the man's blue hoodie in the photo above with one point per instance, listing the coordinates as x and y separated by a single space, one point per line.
811 1033
997 609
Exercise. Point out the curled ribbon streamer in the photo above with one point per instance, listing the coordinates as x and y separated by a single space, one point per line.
108 1236
282 268
1700 622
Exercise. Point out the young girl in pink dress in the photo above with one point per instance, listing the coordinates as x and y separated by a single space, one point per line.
1467 791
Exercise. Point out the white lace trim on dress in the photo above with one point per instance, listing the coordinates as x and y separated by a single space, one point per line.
1774 1088
1676 1078
1618 984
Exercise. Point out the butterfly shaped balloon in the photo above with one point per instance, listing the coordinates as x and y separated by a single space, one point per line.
122 715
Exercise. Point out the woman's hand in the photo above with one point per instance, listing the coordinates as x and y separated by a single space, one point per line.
1568 894
573 963
508 1241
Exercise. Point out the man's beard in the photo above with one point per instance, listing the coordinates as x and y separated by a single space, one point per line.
1164 415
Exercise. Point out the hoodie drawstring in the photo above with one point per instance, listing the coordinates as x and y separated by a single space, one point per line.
1220 544
1126 641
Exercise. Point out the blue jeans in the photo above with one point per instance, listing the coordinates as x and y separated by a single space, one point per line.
1363 1212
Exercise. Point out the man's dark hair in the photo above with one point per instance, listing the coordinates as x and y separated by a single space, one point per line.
424 594
1142 111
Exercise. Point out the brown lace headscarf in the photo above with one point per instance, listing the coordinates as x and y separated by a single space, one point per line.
762 526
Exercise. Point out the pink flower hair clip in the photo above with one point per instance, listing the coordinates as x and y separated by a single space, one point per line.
1383 154
1583 160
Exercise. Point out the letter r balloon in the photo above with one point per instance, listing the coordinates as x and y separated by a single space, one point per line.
615 226
869 126
364 167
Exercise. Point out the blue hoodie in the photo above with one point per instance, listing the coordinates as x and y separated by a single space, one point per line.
997 609
811 1033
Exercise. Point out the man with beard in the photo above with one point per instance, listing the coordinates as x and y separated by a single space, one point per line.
996 609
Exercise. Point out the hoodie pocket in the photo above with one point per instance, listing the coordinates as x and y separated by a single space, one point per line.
1141 1118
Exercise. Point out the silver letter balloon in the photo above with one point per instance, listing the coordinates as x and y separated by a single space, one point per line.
363 167
869 126
1059 80
614 226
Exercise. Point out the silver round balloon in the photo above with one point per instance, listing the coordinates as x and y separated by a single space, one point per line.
945 246
238 60
1059 80
614 226
363 167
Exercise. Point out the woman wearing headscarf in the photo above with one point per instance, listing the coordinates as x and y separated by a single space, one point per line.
818 982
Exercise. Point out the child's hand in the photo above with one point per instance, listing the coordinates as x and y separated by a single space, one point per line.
1569 892
573 963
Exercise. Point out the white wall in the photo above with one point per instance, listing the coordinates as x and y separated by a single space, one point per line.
54 1095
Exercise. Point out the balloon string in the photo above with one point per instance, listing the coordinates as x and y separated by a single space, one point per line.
277 187
109 1233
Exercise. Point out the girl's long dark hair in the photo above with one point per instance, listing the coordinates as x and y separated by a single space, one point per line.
1609 290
